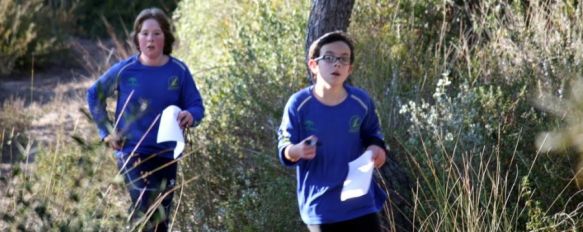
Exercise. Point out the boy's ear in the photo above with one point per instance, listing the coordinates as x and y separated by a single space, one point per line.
313 65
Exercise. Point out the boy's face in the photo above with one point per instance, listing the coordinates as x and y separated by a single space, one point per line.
333 66
151 39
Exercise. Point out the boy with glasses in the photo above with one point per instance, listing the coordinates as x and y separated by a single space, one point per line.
324 127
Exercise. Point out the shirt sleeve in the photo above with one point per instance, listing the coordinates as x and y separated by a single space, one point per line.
287 133
97 94
371 130
191 99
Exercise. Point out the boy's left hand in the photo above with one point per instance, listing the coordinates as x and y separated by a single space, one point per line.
184 119
378 155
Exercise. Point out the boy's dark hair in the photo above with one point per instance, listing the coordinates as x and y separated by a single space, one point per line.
160 16
331 37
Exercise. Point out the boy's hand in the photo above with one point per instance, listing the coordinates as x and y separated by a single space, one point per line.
378 155
184 119
113 140
305 149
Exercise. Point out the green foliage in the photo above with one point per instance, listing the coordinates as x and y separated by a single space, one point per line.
478 55
36 31
69 189
14 124
488 60
470 117
247 60
27 31
13 117
17 30
89 15
539 221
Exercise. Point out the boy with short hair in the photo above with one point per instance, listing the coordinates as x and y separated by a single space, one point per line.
324 127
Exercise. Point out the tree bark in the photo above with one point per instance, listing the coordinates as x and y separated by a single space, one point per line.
327 16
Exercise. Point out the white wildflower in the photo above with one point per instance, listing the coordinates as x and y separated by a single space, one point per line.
449 137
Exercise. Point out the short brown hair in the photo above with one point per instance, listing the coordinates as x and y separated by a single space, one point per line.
160 16
331 37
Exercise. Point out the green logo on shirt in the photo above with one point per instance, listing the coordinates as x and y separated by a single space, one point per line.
354 124
173 83
133 82
309 125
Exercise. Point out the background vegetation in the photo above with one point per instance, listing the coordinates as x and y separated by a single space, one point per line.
37 30
457 85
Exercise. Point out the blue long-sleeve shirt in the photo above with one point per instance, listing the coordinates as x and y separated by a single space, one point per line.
146 91
342 130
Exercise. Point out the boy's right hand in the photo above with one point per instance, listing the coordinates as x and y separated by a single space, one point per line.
114 141
306 149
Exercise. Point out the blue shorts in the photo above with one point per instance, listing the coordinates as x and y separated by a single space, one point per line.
369 223
149 179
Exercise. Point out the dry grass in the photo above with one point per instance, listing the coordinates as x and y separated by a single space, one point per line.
40 116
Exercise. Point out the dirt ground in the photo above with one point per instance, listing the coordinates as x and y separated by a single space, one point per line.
53 97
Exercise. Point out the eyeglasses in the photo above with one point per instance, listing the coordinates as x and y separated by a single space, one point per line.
328 59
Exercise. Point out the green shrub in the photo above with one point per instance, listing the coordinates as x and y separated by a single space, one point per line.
36 31
18 29
65 189
14 125
497 57
33 32
247 59
89 15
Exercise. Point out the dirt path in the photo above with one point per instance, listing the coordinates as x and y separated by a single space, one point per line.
52 98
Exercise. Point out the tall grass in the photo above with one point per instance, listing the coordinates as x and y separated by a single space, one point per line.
480 195
49 177
456 83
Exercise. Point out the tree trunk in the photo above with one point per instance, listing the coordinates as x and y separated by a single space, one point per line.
327 16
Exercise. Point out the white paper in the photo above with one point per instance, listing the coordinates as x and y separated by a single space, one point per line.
169 130
359 177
